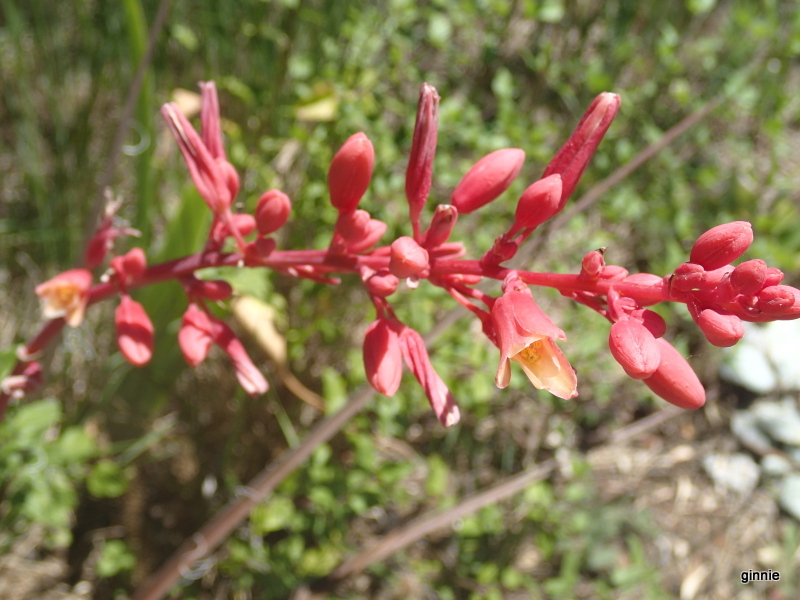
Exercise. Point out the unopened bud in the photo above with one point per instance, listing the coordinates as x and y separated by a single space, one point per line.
722 244
353 225
134 331
230 176
194 335
272 211
688 276
214 290
130 265
572 158
407 258
614 273
444 219
487 179
653 321
375 229
383 358
243 223
381 283
538 203
778 300
773 277
749 277
723 330
423 148
674 380
634 348
350 172
592 264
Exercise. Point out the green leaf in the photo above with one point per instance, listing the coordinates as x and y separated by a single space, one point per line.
107 479
115 557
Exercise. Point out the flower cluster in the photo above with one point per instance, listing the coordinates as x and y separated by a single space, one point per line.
719 296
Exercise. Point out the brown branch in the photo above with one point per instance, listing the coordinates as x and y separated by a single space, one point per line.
409 533
127 114
217 530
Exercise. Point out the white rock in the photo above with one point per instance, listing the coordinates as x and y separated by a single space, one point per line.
775 465
737 472
779 420
767 358
789 497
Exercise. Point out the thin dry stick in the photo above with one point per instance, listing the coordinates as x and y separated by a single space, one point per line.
428 523
206 540
127 114
224 522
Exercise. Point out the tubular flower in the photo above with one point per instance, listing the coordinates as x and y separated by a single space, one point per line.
487 179
134 331
416 357
383 358
66 295
527 336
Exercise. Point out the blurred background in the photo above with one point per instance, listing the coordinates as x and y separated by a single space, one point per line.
109 468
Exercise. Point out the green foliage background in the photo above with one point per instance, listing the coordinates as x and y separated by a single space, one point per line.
160 449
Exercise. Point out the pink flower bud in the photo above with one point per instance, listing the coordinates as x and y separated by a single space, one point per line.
487 179
423 148
209 120
261 248
66 295
214 290
538 203
375 229
416 357
407 258
688 277
383 359
773 277
19 384
350 172
209 179
97 248
381 284
749 277
194 336
573 157
634 348
614 273
674 380
722 330
129 266
230 176
722 244
592 264
134 331
353 225
717 277
244 225
442 223
272 211
249 377
779 301
653 321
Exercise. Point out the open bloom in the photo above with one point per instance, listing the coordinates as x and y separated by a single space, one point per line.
527 336
66 295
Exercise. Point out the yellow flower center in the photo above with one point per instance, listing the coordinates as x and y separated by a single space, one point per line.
532 352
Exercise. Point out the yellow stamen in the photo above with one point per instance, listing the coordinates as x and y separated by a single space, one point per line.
532 352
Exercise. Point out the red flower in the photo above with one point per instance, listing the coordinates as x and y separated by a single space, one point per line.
66 295
134 331
527 336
